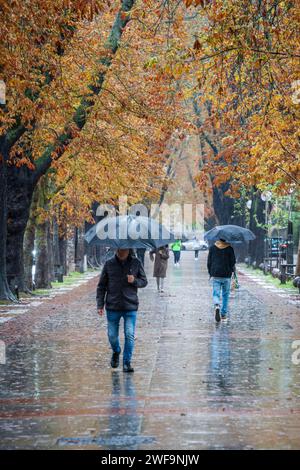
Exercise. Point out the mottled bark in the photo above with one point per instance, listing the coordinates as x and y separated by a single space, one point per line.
70 252
28 247
42 277
56 253
42 273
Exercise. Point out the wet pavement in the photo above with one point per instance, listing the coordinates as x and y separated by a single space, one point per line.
197 385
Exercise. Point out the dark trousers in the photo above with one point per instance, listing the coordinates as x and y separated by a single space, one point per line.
113 322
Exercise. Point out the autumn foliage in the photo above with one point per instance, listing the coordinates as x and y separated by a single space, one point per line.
245 59
238 61
54 54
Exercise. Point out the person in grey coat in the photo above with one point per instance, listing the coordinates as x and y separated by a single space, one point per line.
160 257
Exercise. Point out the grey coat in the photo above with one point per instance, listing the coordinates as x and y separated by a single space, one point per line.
161 261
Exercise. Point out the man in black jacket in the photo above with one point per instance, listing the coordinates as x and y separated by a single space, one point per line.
121 276
221 264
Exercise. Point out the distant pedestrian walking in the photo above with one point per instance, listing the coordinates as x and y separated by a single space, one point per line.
120 279
160 257
176 248
221 264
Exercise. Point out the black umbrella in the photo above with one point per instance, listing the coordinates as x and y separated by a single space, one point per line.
128 231
229 233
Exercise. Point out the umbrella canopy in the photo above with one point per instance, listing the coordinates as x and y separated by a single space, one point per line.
128 231
229 233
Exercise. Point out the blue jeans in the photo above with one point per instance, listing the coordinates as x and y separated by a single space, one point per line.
221 284
113 323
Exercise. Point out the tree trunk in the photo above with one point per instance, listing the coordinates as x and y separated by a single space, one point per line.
80 249
42 273
19 194
42 277
28 255
5 292
257 220
62 246
56 253
239 218
223 205
28 247
50 241
70 255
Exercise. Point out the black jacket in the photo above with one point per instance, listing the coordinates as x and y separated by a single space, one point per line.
114 290
221 261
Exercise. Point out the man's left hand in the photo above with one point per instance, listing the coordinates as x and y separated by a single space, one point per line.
130 278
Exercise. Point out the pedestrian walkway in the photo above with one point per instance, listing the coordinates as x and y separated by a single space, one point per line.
10 311
197 385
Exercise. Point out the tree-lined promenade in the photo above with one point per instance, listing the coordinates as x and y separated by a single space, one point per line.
101 98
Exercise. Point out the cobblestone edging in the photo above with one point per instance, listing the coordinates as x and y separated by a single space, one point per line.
289 295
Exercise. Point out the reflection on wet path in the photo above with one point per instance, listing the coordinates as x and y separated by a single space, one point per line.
124 422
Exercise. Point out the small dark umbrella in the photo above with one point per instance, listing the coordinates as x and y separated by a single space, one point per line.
128 231
229 233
